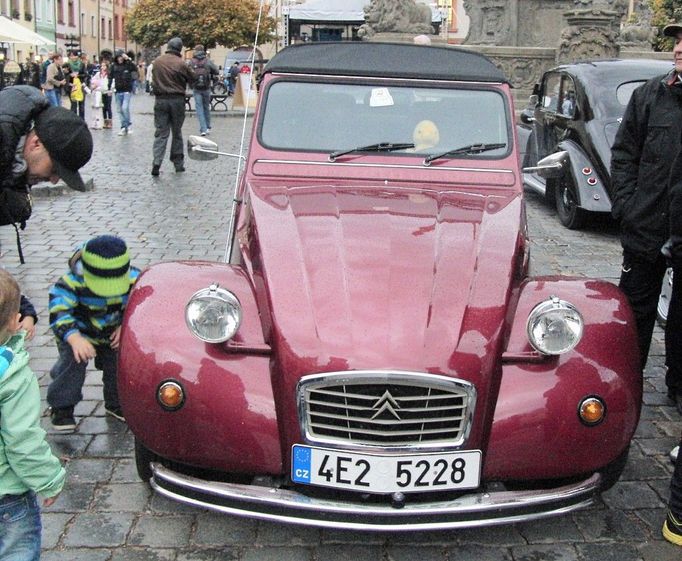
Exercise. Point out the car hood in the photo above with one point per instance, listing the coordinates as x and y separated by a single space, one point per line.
372 277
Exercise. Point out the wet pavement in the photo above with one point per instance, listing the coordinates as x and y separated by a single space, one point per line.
105 512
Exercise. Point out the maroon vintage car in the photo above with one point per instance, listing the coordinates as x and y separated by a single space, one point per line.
374 354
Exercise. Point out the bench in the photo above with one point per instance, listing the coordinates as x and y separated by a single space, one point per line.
218 102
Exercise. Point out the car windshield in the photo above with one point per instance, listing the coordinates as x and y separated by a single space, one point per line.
344 118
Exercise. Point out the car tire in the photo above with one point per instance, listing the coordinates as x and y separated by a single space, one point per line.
143 458
664 298
570 214
612 472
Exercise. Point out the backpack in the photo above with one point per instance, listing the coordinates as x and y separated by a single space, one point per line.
203 76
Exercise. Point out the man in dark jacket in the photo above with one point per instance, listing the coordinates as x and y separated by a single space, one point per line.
647 141
38 142
672 527
204 71
121 76
170 79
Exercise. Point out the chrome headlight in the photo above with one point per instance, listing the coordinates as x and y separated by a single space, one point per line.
554 326
213 314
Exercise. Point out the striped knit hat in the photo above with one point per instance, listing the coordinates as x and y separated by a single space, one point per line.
105 266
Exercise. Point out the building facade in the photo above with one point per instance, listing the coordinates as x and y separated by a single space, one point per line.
89 26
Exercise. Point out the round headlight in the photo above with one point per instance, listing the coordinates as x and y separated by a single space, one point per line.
213 314
554 327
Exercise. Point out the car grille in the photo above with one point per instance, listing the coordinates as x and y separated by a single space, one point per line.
386 410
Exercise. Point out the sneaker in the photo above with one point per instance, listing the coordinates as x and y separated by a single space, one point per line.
672 529
123 131
129 130
62 419
204 133
209 130
179 168
155 170
115 412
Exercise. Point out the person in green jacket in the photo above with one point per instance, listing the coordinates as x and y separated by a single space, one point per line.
27 464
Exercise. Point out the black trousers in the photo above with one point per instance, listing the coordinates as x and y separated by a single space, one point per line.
673 335
169 115
641 281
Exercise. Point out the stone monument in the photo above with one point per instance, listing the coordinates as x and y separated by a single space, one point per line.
395 20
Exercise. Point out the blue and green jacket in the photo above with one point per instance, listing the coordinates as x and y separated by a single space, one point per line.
74 307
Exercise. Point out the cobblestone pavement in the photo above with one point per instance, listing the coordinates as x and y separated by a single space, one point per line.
106 513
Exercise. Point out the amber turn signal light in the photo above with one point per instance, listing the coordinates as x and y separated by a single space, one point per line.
170 395
592 411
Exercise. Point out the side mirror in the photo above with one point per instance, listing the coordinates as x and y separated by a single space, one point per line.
201 148
527 116
551 166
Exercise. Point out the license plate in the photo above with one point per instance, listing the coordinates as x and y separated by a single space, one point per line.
380 473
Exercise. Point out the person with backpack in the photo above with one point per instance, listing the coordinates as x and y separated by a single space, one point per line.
204 71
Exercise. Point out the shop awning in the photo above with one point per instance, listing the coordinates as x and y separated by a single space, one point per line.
12 32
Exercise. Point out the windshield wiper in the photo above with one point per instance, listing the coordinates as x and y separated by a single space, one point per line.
378 147
468 149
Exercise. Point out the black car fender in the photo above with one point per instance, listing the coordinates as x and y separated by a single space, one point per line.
590 190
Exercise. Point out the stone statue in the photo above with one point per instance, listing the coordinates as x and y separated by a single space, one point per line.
396 16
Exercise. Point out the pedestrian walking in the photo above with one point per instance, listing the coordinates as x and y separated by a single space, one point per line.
170 80
86 311
76 82
55 80
121 82
232 74
27 465
204 71
647 141
102 94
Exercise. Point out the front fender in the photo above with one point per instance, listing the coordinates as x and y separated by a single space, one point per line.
536 430
228 421
591 193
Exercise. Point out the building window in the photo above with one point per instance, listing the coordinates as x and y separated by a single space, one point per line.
72 14
117 35
93 26
60 11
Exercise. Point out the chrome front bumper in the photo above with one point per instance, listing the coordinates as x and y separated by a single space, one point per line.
467 511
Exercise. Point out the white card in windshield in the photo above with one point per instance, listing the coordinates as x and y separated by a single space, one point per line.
380 97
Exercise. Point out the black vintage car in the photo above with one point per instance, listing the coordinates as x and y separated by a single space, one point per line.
577 108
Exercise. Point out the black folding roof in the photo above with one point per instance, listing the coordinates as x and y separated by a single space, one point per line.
386 60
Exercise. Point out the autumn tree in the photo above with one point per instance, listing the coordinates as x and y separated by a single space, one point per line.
664 12
208 22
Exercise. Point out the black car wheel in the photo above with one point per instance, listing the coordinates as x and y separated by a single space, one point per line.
144 457
570 214
612 472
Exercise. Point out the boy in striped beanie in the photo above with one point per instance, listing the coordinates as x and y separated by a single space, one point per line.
86 311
